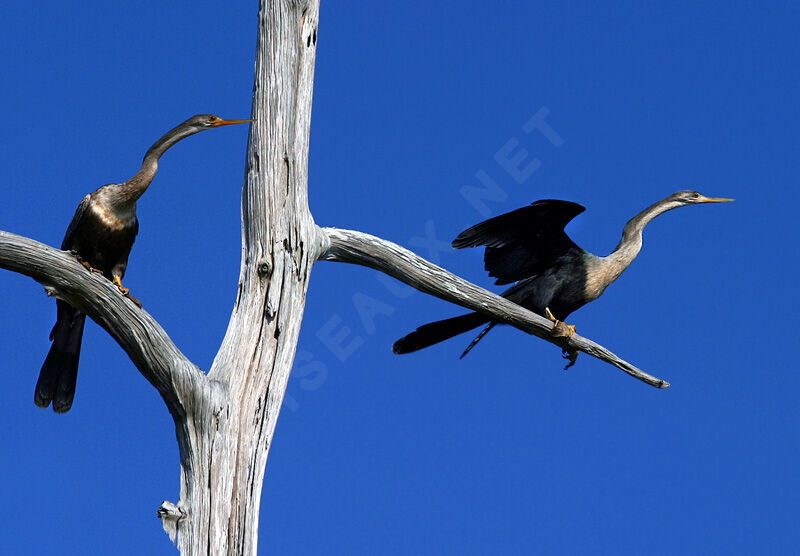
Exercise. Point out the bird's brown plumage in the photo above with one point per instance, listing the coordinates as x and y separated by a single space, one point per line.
101 234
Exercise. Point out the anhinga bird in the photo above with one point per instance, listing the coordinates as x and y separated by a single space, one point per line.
553 276
101 235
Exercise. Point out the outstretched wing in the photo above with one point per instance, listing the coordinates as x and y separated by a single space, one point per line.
69 237
523 242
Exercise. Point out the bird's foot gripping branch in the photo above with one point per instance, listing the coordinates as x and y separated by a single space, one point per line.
363 249
528 247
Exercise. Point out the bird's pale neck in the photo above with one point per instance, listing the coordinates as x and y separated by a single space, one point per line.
631 242
138 184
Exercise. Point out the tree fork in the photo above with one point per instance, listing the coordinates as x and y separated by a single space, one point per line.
225 420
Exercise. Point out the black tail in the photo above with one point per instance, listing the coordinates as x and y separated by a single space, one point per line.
438 331
60 369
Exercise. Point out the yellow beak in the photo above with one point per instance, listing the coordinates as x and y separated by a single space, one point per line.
704 199
230 122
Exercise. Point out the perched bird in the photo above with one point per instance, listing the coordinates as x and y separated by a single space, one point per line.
552 276
101 236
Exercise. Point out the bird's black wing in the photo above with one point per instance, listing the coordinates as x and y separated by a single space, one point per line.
66 245
523 242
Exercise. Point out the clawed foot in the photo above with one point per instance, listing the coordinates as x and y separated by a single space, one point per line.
572 356
563 330
135 301
560 329
89 267
118 282
126 292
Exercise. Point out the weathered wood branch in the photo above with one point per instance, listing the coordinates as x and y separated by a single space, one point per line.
225 421
139 334
185 389
367 250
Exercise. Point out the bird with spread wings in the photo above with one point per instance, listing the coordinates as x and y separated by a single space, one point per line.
551 275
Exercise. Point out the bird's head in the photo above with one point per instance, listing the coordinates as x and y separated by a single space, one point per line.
687 197
195 124
202 122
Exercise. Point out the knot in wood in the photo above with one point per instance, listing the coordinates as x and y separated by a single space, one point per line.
264 268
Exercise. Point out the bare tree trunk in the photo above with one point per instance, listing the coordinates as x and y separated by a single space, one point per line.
225 420
280 242
226 436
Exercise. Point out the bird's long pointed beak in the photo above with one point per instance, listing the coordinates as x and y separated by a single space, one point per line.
230 122
704 199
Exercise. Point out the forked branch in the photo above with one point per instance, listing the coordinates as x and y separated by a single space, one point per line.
359 248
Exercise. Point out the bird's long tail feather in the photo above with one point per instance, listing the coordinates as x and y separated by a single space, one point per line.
438 331
59 372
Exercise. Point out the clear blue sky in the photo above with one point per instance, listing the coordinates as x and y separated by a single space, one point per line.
502 452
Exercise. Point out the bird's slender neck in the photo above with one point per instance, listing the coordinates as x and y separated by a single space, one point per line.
631 242
138 184
610 268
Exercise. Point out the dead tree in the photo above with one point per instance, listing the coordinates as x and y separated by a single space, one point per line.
225 419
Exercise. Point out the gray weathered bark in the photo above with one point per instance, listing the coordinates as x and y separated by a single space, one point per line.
225 420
